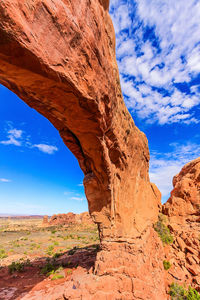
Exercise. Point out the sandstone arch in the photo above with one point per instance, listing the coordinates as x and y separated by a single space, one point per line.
59 57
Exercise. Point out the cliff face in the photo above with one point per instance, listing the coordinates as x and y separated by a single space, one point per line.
59 57
183 212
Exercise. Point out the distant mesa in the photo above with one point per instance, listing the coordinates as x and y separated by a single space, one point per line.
68 219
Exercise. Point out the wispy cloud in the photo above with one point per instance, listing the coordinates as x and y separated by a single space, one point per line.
14 137
5 180
164 166
18 137
158 53
74 196
49 149
78 198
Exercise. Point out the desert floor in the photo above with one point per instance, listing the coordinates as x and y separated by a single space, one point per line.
32 256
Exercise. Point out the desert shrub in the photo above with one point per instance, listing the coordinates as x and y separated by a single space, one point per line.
163 231
166 265
53 231
50 250
3 254
72 251
193 294
48 269
177 292
18 266
51 268
57 255
69 272
57 276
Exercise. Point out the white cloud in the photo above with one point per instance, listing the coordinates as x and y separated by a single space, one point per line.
14 137
170 56
77 198
73 196
164 166
46 148
18 138
5 180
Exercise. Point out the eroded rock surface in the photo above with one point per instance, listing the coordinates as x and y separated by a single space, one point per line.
59 57
183 211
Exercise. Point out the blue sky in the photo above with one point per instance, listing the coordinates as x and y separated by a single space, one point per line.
158 54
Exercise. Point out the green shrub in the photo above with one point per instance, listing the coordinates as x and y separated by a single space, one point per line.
3 254
51 268
57 255
57 276
193 294
18 266
177 292
166 265
163 231
48 269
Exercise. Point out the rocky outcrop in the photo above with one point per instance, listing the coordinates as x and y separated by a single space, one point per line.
63 219
59 57
183 212
70 219
185 197
45 221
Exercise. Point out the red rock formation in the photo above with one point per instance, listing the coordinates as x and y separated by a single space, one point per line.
84 218
45 221
185 197
71 218
183 211
59 57
63 219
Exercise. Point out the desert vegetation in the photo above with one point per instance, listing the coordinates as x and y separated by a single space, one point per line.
162 230
30 253
178 292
